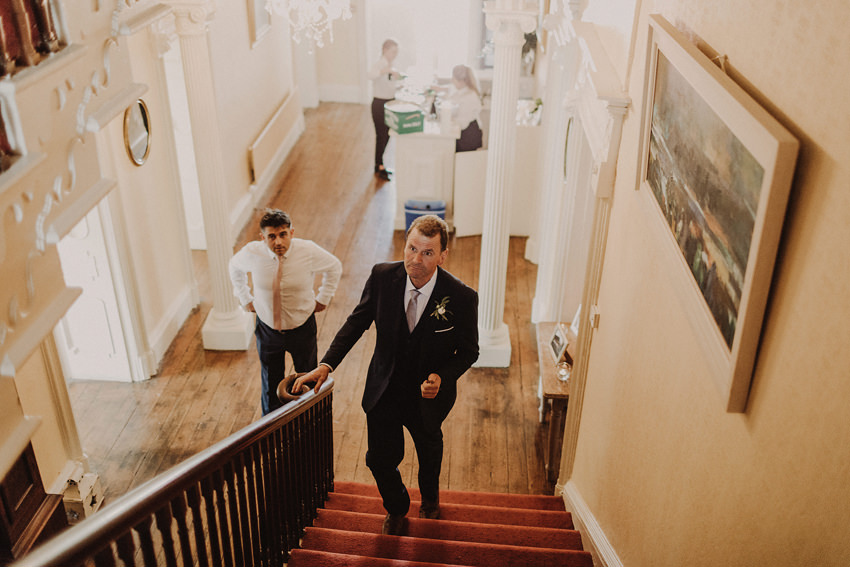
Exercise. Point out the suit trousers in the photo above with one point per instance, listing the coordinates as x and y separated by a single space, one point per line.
385 423
272 347
382 131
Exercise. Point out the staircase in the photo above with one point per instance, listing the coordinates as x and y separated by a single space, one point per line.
475 528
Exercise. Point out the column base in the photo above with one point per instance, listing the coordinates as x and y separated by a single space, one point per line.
494 348
228 331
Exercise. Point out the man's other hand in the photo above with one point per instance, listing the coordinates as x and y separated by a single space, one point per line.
431 387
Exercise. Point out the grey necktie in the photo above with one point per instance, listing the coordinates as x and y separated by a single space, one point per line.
411 310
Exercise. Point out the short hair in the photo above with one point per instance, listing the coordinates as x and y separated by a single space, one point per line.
275 218
430 226
388 43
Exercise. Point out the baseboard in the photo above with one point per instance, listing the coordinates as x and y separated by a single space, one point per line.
340 93
165 332
593 538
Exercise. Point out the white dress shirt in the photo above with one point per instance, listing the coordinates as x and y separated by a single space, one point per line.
301 263
424 295
382 85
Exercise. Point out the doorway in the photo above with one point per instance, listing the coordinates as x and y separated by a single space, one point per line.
90 338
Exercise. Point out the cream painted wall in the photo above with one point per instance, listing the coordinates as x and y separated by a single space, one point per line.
615 21
671 478
152 217
339 65
243 112
49 441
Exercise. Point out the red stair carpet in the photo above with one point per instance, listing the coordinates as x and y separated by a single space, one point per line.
475 528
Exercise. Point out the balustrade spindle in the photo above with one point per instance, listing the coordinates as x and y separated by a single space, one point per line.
193 495
244 501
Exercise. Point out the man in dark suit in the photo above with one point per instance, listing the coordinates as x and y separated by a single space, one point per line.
427 337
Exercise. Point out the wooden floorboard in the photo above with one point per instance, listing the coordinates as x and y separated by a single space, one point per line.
493 441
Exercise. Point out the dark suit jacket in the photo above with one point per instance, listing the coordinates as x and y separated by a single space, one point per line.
445 344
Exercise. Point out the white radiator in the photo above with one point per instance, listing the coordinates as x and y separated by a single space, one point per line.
263 152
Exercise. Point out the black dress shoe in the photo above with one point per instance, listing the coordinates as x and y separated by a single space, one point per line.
393 524
429 510
383 174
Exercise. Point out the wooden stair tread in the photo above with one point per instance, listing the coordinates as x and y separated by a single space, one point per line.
500 499
525 536
439 551
460 512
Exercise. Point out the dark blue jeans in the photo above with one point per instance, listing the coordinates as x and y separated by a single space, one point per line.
272 347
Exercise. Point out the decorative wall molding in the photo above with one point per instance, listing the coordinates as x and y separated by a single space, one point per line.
193 16
48 106
601 106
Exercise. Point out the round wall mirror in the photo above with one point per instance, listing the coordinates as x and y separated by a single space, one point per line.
137 132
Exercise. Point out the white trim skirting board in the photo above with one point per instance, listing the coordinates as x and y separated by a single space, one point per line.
165 332
592 536
341 93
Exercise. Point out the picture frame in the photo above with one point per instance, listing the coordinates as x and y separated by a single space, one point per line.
259 20
574 325
715 172
558 343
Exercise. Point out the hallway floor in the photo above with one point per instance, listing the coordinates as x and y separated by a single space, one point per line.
493 441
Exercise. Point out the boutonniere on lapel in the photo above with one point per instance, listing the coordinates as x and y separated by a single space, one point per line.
441 312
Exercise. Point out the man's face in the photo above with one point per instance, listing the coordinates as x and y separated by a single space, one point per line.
391 53
277 238
422 255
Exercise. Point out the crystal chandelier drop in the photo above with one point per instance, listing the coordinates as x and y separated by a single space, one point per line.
311 18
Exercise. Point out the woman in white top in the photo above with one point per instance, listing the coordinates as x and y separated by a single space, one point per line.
467 100
384 78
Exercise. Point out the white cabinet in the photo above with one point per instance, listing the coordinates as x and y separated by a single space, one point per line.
424 168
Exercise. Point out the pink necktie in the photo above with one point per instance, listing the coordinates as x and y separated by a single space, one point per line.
411 309
276 294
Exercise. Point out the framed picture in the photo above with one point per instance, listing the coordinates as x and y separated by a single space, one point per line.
715 170
576 321
558 343
259 20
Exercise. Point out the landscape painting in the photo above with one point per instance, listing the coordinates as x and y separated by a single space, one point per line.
715 172
707 185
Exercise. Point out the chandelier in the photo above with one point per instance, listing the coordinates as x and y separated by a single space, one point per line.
311 18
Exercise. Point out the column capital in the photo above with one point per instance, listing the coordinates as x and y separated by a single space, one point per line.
510 19
164 32
193 16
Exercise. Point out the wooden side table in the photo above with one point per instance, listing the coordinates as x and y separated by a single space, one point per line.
552 392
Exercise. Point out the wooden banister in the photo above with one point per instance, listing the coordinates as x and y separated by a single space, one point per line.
244 501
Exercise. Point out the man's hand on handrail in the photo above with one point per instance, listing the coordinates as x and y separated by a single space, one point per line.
318 374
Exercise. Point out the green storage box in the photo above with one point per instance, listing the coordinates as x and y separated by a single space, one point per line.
403 117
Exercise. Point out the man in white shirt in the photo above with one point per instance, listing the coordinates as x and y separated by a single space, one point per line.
283 271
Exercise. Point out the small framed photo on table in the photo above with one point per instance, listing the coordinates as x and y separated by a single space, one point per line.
558 343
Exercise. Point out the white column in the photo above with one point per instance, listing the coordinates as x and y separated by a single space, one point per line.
227 327
509 20
552 232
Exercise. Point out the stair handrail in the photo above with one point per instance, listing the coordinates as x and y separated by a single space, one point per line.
189 488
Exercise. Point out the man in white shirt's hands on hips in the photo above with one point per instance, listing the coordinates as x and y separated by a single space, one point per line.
283 269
